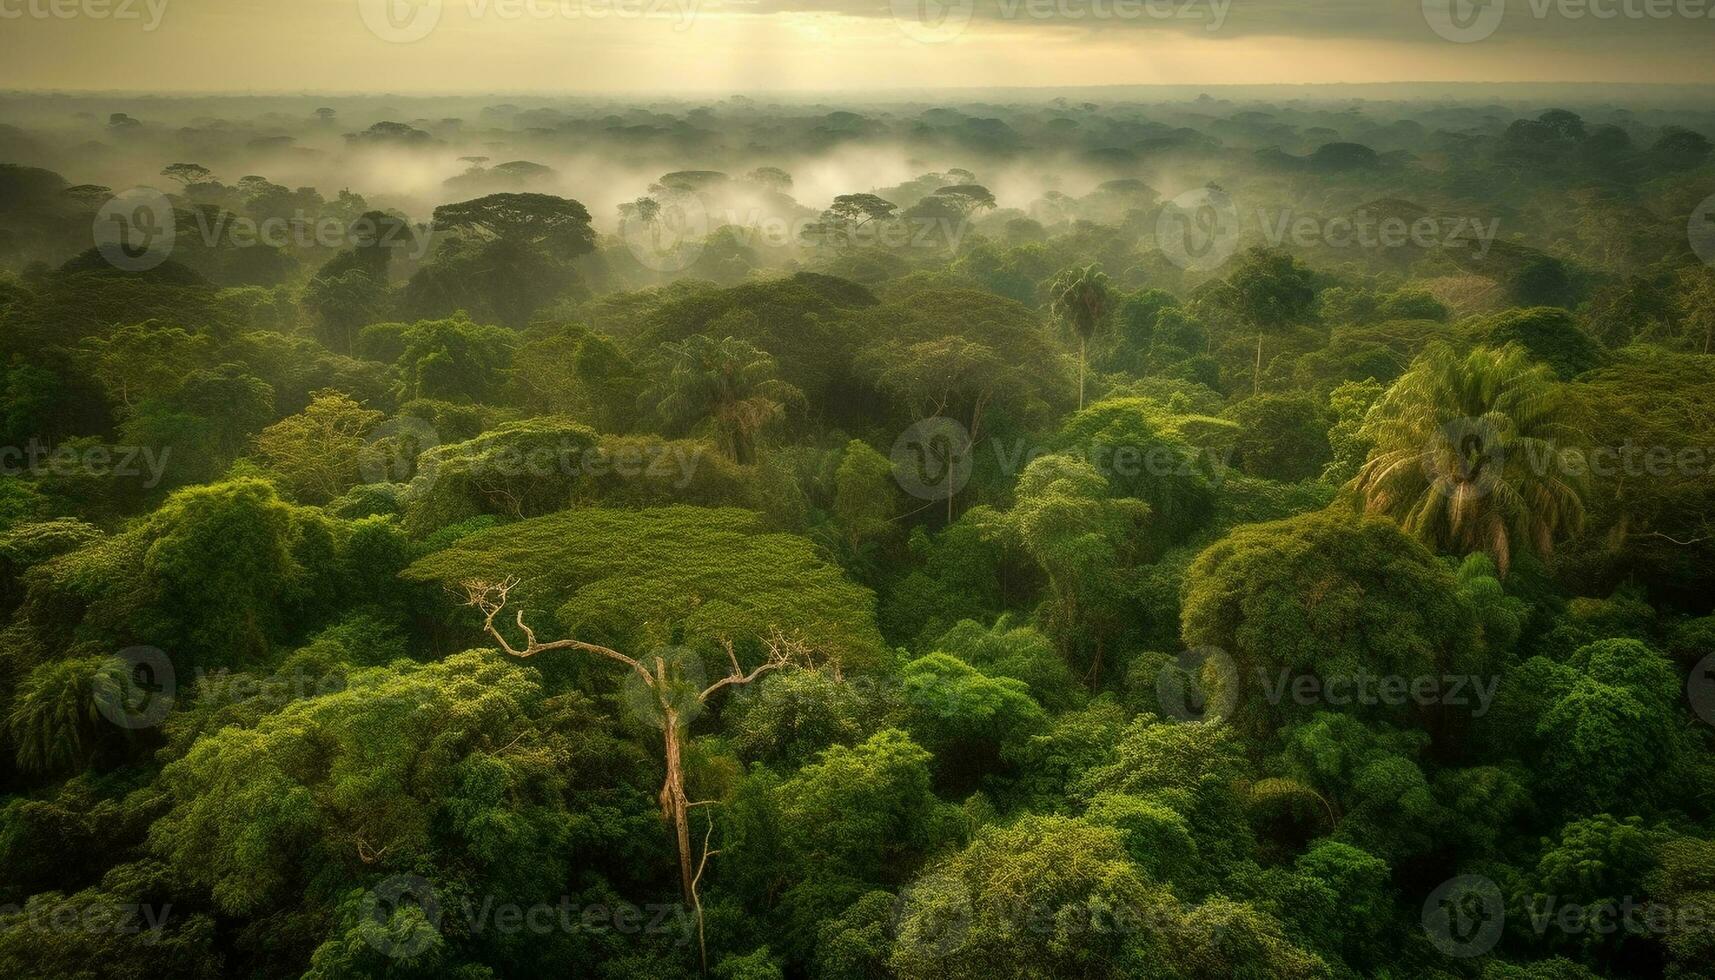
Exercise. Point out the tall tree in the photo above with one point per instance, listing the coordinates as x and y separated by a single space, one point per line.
144 360
1467 454
317 453
649 582
967 199
187 173
559 224
1270 290
676 697
1377 603
848 215
727 384
1079 300
948 377
1086 541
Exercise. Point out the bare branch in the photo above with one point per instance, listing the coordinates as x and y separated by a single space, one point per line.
521 733
696 900
489 598
367 854
529 634
1658 534
783 651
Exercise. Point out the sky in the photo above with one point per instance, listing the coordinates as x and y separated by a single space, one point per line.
709 46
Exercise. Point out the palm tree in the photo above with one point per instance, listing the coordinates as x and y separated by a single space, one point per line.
1467 454
1078 300
727 384
55 720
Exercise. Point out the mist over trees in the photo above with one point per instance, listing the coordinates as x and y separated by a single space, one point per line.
1238 534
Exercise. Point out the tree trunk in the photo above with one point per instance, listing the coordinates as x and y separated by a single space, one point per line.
675 806
1081 343
1256 373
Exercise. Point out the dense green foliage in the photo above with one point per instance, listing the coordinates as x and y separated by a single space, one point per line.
1005 595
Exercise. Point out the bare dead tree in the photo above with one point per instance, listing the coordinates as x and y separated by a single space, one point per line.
489 598
696 900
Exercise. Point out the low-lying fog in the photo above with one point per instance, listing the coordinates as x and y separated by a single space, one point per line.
412 154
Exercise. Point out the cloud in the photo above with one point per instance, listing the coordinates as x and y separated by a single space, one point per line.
850 45
1681 23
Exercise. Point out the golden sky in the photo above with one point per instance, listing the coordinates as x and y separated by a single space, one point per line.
678 46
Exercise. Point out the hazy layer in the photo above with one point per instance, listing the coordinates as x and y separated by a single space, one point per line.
605 152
